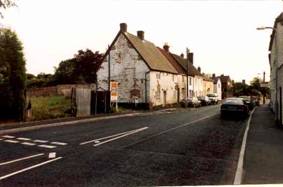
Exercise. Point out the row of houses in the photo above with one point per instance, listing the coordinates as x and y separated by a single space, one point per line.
153 76
276 70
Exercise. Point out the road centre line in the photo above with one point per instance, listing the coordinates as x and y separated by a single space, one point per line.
172 129
127 134
28 143
111 136
47 146
20 159
8 136
11 141
29 168
59 143
25 139
239 171
40 141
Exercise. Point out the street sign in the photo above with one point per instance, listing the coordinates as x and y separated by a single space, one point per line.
114 90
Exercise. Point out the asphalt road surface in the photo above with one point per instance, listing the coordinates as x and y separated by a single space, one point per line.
182 147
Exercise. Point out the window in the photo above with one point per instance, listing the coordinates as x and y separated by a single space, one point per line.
183 79
173 77
158 75
190 80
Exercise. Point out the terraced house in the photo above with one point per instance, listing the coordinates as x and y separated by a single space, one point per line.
147 75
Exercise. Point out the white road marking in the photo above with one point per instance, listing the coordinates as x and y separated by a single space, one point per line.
174 128
11 141
40 141
7 136
20 159
21 138
107 137
239 171
47 146
59 143
28 143
52 155
127 134
29 168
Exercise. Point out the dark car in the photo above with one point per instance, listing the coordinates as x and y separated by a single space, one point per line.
191 102
234 107
204 100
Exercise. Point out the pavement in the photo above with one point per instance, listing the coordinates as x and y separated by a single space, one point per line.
263 162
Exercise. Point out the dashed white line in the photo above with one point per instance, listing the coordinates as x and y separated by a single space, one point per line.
40 141
59 143
47 146
24 139
29 168
8 136
20 159
28 143
11 141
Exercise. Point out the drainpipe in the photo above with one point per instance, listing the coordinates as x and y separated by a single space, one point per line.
109 79
145 84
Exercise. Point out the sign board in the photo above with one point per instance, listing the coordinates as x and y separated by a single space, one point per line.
264 85
114 90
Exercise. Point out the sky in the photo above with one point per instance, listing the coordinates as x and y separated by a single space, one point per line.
222 34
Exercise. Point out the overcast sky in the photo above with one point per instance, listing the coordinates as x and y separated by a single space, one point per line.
222 34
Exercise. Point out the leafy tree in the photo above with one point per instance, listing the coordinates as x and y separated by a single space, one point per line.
13 74
6 4
80 69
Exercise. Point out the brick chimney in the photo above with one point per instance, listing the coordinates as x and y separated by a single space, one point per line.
213 75
191 57
244 81
123 27
199 69
140 34
182 55
166 47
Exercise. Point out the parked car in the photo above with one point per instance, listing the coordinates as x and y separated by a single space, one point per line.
191 102
248 101
204 100
235 107
213 98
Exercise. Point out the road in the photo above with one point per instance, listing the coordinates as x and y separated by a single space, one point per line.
182 147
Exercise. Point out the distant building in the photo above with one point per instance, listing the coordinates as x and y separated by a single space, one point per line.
208 85
217 86
226 86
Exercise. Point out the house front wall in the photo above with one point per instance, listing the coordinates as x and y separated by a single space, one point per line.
166 88
198 86
128 69
217 89
208 87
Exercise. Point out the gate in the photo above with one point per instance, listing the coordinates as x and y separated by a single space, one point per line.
102 104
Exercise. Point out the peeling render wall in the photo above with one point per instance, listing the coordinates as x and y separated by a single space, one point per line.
128 69
164 88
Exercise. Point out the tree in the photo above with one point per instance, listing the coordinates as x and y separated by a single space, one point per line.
6 4
13 73
80 69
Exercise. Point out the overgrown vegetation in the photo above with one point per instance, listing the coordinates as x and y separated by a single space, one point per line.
50 107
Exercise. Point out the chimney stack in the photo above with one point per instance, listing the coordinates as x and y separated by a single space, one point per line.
244 81
191 57
263 77
213 75
166 47
199 69
182 55
123 27
140 34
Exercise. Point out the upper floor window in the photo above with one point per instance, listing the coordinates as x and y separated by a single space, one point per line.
158 75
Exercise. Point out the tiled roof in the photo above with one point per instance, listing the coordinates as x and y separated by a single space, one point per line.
151 55
173 62
224 79
188 66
